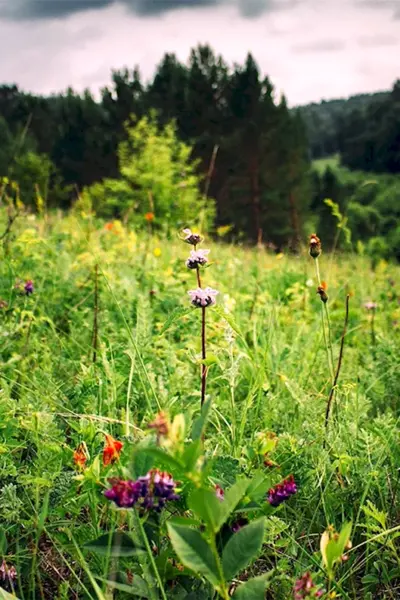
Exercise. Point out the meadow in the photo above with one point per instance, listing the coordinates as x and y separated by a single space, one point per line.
117 481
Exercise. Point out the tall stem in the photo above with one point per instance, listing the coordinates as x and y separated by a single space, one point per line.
151 560
328 345
96 312
339 365
203 345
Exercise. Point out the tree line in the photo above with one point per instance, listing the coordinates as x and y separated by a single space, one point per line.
252 153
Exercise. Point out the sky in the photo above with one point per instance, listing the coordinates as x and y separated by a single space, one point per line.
310 49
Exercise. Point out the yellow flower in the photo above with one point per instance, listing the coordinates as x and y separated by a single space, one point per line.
157 252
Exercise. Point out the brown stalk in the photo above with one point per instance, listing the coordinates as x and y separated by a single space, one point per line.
339 365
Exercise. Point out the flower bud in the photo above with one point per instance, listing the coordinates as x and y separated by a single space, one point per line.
322 294
315 245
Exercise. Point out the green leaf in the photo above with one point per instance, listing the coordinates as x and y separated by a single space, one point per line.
193 551
176 314
115 544
254 589
242 548
191 455
232 498
137 588
6 596
200 423
145 457
205 505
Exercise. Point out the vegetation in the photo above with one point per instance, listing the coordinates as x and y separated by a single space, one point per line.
258 492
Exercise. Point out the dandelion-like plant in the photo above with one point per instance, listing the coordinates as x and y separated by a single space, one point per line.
200 298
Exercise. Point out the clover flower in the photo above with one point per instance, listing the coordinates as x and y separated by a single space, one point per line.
370 306
151 491
28 287
306 588
7 573
112 450
202 298
197 258
191 238
315 246
282 491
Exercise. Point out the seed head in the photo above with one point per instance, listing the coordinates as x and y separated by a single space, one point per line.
202 298
192 238
322 294
315 245
197 258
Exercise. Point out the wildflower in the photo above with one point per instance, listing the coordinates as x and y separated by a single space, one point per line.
3 304
282 491
322 294
28 287
197 258
315 245
151 491
191 237
370 306
112 450
160 424
7 573
149 216
80 456
306 588
157 252
202 298
219 492
109 226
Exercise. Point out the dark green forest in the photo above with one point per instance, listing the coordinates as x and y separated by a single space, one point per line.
253 155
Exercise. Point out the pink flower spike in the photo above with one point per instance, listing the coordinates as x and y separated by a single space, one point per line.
203 298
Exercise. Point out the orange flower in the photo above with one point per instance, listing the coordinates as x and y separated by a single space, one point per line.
149 217
80 456
109 226
112 450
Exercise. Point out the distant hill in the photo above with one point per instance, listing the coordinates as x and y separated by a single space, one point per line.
324 120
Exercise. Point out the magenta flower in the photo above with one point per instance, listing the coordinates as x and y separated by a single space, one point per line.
306 588
219 492
151 491
370 305
202 298
7 573
197 258
282 491
28 287
191 238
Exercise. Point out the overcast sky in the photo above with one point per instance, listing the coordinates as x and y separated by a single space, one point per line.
311 49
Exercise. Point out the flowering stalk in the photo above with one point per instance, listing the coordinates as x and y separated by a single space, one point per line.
200 298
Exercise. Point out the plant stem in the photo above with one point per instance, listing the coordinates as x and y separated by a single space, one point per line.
151 558
96 312
328 346
203 344
339 365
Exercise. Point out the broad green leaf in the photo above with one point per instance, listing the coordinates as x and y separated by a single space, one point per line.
232 498
115 544
194 552
137 588
254 589
145 458
191 455
242 548
6 596
206 506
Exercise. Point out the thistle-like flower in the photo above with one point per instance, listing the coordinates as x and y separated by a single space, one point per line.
282 491
197 258
322 293
202 298
192 238
151 491
7 572
370 306
28 287
315 245
306 588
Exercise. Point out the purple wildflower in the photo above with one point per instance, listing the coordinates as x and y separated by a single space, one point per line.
237 525
282 491
219 492
202 298
197 258
370 305
192 238
151 491
7 573
306 588
28 287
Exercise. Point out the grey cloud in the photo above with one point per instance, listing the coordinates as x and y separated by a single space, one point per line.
50 9
377 41
320 46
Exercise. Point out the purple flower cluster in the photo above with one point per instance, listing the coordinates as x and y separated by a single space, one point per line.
28 287
306 588
202 298
197 258
151 491
282 491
